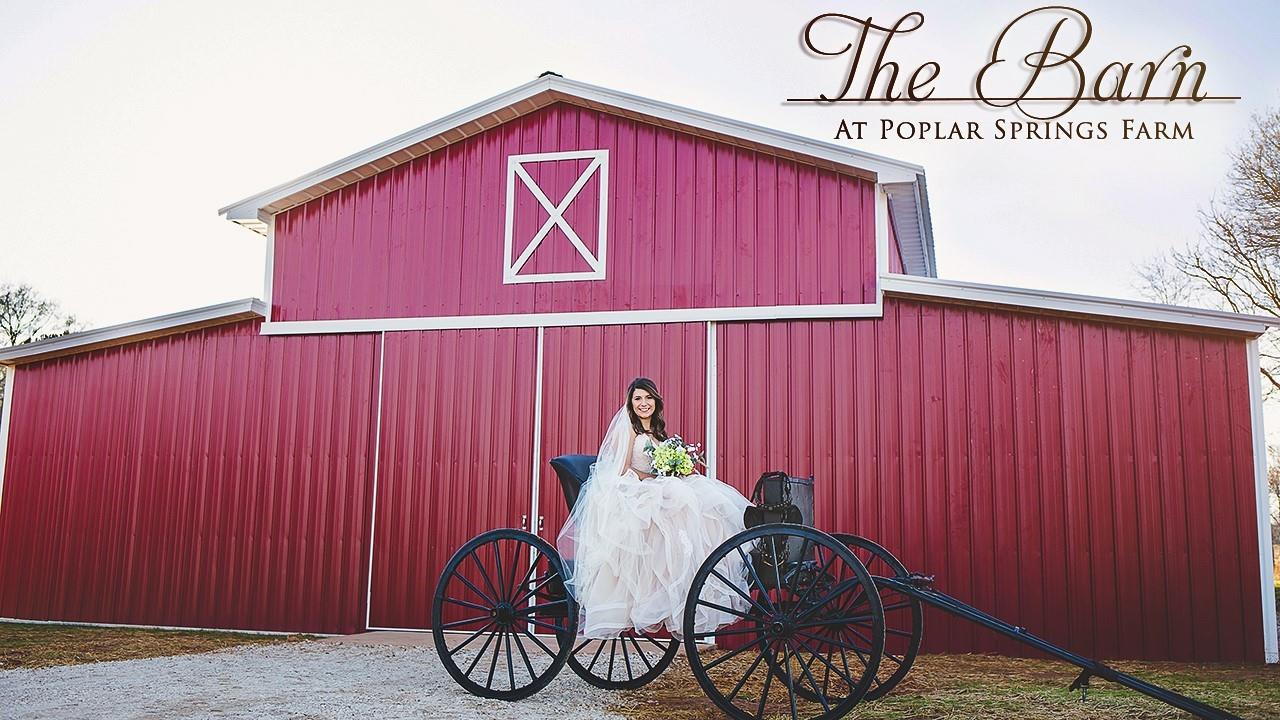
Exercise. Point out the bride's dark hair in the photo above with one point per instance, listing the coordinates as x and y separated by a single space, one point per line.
656 424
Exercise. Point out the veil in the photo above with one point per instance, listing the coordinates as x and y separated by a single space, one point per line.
611 461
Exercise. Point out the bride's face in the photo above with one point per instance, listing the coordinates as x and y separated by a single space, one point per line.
642 402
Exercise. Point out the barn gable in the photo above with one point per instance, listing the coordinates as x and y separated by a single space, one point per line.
657 209
255 211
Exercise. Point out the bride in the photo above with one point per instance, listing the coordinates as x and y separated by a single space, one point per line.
633 541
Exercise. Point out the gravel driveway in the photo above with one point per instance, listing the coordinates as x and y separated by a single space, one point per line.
298 680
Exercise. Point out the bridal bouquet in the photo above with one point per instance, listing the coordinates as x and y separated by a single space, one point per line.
674 456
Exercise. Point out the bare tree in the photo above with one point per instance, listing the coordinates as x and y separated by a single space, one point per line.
1273 484
1273 480
26 316
1235 264
1162 281
1250 211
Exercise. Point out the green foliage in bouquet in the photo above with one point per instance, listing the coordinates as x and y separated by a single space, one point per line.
674 457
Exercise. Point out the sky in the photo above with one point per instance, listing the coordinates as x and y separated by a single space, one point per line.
125 126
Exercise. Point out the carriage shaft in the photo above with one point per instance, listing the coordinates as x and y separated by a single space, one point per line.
914 587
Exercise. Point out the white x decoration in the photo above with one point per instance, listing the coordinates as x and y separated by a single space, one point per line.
555 216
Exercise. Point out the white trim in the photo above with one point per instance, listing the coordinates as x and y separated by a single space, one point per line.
602 317
6 415
164 627
599 166
882 236
887 169
269 279
575 276
710 446
537 442
601 154
1269 641
113 333
1082 304
377 462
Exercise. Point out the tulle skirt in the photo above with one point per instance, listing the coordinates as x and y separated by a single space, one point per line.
631 548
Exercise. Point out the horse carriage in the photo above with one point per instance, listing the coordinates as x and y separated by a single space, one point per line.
830 619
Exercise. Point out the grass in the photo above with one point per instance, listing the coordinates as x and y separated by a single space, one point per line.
37 645
967 686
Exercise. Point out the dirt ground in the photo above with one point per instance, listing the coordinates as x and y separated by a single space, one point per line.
999 688
939 686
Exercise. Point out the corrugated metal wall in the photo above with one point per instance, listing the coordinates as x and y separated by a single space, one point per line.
585 373
216 478
692 223
1090 481
456 457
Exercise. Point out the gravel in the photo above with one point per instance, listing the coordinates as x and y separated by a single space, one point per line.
296 680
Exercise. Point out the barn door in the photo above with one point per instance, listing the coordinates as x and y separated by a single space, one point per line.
454 458
585 372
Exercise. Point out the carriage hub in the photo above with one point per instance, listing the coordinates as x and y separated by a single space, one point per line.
781 627
504 613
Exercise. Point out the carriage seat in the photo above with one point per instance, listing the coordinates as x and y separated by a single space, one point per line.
572 470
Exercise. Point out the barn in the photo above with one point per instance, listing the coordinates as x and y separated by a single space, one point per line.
447 310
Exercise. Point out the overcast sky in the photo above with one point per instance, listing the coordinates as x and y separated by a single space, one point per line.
124 126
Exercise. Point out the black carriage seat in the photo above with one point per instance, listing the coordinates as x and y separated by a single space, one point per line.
572 470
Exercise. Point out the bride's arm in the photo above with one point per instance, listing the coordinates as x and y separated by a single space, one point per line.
630 451
639 473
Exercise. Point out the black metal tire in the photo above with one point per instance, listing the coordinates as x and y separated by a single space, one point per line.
506 609
903 616
615 661
786 621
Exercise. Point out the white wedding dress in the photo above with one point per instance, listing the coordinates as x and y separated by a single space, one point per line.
631 546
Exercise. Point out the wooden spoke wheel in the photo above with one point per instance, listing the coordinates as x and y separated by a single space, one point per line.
502 596
809 617
903 617
632 659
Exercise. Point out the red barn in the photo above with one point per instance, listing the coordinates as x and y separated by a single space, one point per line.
485 285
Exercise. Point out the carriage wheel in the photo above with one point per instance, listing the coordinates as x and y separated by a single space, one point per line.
811 621
502 591
903 617
633 659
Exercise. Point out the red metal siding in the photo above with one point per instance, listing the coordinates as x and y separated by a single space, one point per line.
692 223
455 460
216 478
585 373
1091 481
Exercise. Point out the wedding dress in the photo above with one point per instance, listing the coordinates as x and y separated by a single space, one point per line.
631 546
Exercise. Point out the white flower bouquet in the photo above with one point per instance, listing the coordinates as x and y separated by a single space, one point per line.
674 457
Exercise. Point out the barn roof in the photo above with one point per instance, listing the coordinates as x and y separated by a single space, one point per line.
171 324
926 288
931 288
903 181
